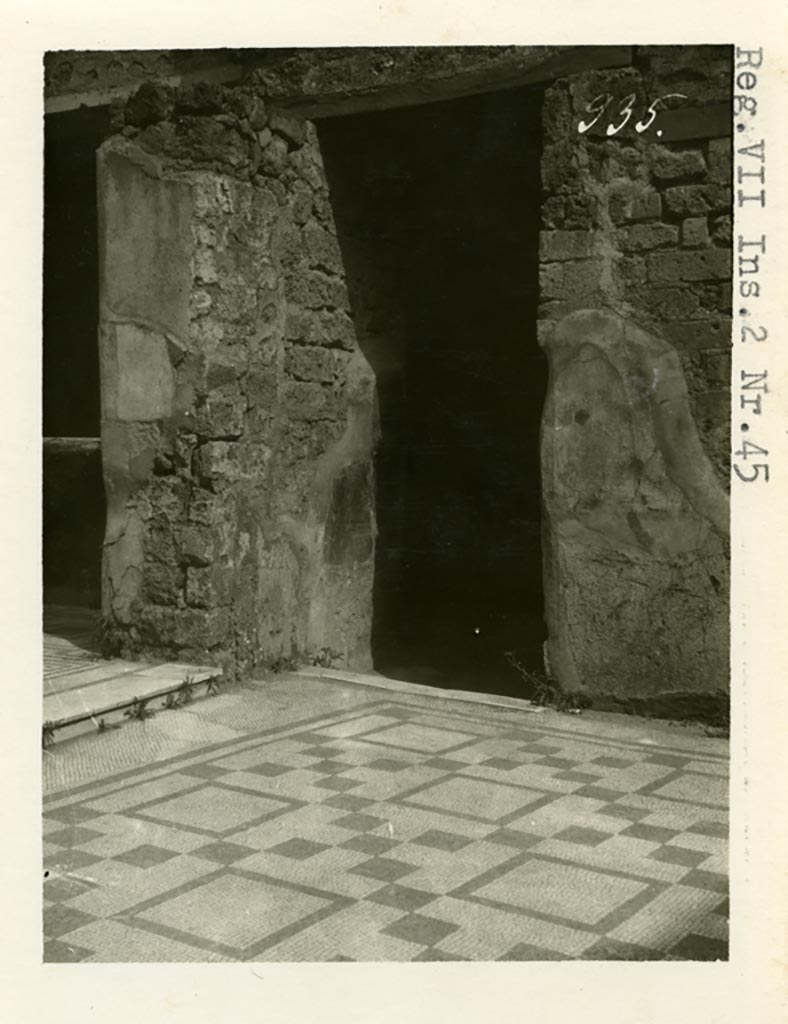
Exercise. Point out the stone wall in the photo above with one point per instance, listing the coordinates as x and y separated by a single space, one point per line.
638 226
238 412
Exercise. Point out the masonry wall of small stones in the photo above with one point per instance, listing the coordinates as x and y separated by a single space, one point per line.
644 227
247 485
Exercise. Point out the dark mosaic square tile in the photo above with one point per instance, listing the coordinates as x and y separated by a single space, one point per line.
679 855
541 748
446 764
329 767
298 849
60 919
402 898
699 947
572 776
669 760
72 815
268 770
58 952
708 880
341 960
557 762
312 738
716 829
338 785
582 836
425 931
206 771
511 837
601 793
384 869
348 802
387 764
359 822
525 951
70 860
501 764
654 833
612 949
613 762
222 853
722 909
623 811
145 856
58 889
373 845
436 839
73 835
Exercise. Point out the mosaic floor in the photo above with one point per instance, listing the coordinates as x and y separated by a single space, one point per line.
384 826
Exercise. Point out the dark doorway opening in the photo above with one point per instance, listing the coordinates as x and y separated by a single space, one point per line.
74 502
437 209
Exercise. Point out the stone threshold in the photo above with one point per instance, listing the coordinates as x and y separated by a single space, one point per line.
420 689
105 691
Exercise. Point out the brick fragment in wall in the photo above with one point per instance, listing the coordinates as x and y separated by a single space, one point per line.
696 200
698 335
722 230
703 265
565 245
717 366
695 232
721 160
574 280
669 165
641 237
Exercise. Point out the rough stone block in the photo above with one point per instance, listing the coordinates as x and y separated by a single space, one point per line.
309 363
640 237
197 546
718 367
668 165
721 160
322 248
216 461
305 401
668 303
697 335
696 200
722 230
565 245
695 232
291 128
574 280
703 265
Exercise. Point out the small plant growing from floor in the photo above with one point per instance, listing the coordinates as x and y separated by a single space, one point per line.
186 691
171 702
325 657
545 693
105 726
213 685
139 711
282 663
47 734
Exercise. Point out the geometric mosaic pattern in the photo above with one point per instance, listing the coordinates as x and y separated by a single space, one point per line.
396 831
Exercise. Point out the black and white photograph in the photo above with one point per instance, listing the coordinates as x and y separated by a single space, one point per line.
386 537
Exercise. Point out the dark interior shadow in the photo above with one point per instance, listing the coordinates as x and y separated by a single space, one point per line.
437 210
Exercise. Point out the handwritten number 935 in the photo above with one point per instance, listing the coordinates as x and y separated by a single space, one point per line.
599 105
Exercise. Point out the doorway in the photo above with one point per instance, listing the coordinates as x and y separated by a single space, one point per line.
437 208
73 489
